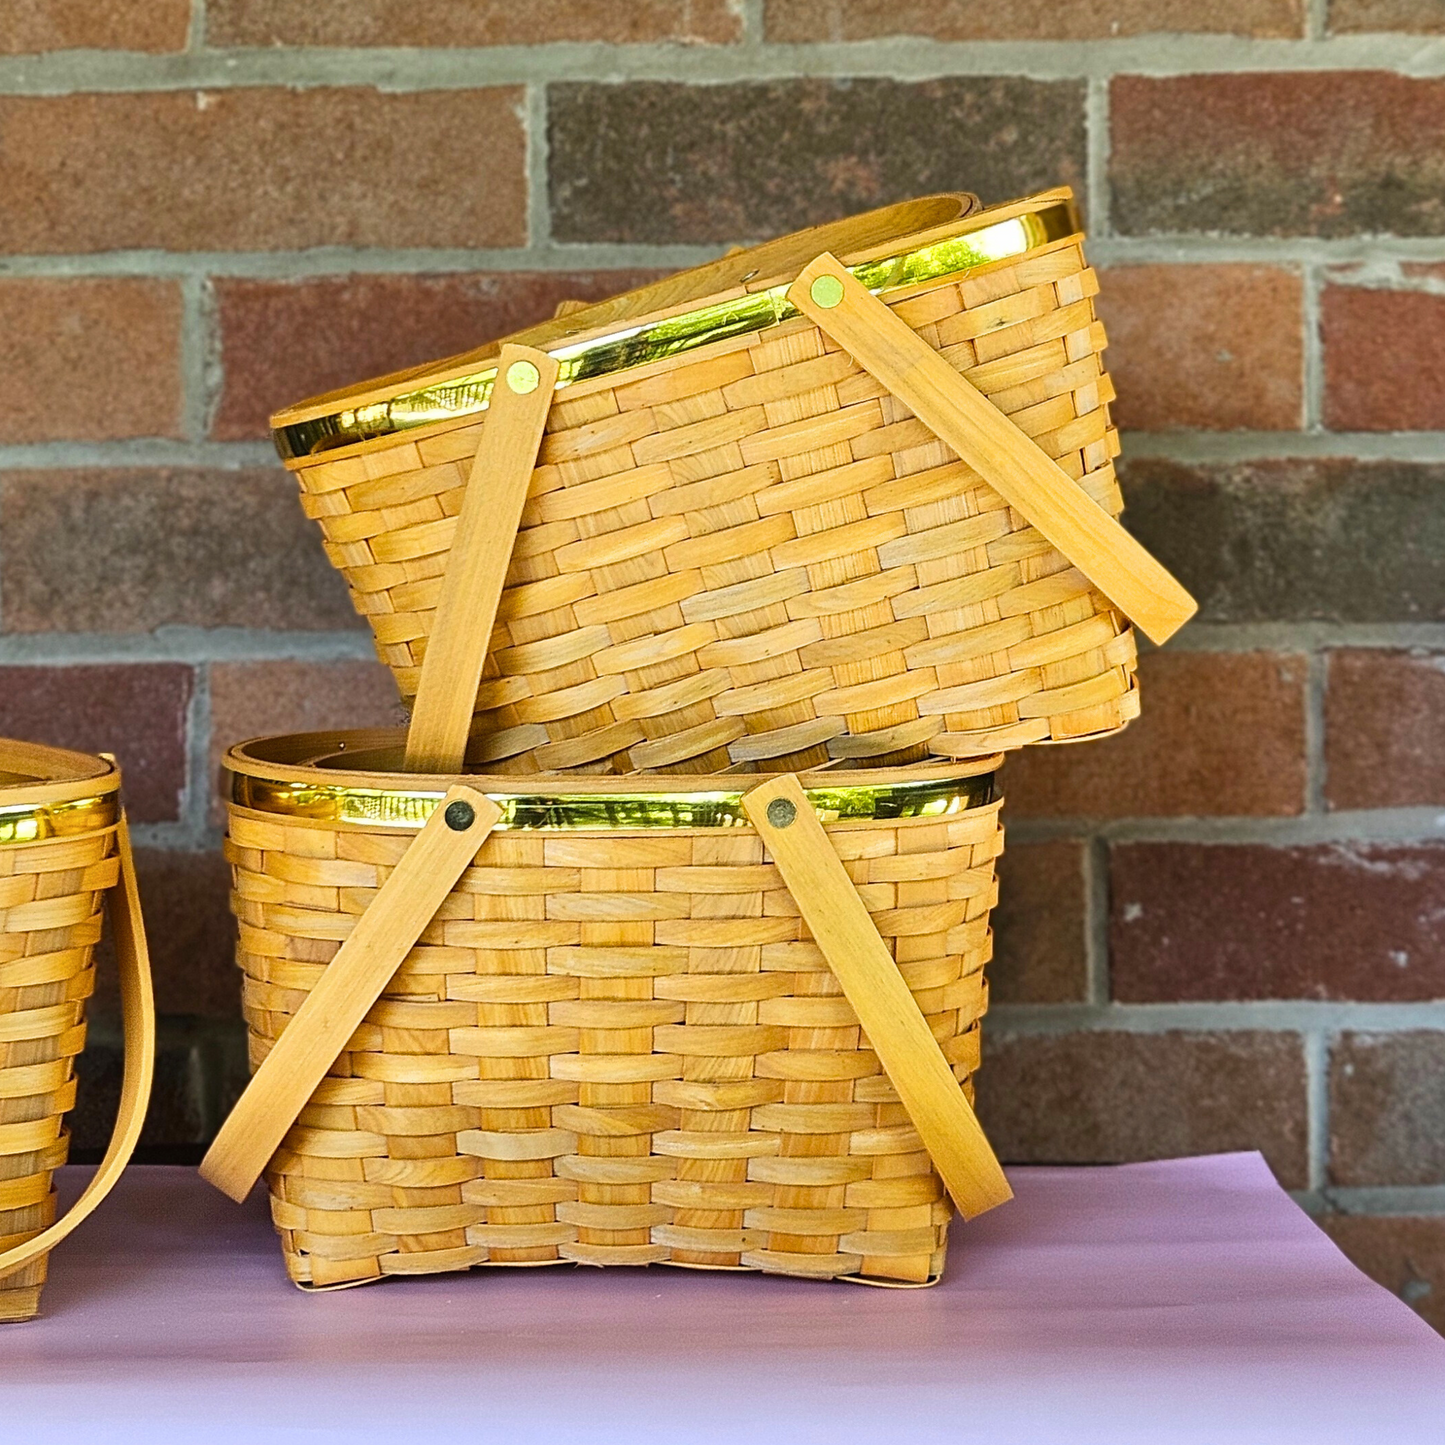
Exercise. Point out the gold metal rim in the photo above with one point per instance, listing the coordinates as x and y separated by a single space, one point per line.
637 345
620 811
37 822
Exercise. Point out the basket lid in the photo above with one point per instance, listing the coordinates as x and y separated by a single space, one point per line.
48 792
355 778
913 243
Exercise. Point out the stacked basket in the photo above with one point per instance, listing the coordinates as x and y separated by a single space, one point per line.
660 936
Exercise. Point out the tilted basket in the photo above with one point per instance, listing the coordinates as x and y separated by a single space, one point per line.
615 1039
767 526
63 848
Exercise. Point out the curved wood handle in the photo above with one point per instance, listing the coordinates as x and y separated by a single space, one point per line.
354 979
137 1004
1023 475
898 1032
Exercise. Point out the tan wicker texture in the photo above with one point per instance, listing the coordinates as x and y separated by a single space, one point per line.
57 859
610 1047
753 555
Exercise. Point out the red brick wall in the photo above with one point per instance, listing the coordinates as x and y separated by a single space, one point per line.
1225 929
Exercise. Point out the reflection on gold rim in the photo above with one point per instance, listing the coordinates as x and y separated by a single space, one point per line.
654 341
602 812
35 822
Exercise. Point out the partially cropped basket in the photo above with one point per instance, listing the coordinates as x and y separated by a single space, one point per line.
59 857
616 1041
739 548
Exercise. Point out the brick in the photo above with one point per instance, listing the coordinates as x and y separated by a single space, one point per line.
259 699
135 710
1191 921
192 937
1268 154
1210 347
284 340
262 169
1222 733
469 22
133 550
1405 1253
1421 16
658 162
29 27
1039 925
175 1115
800 21
89 360
1111 1097
1384 359
1293 540
1384 717
1387 1109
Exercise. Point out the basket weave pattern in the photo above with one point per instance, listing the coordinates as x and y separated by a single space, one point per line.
757 556
51 894
612 1049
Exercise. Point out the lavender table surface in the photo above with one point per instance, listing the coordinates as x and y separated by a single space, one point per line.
1179 1301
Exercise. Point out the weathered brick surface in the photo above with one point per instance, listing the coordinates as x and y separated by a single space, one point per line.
1266 541
1222 733
1405 1253
28 27
263 169
89 359
1212 347
1272 154
676 163
1384 359
135 710
1192 921
132 550
1387 1108
1112 1097
1384 721
1039 925
801 21
257 699
284 340
468 22
1426 16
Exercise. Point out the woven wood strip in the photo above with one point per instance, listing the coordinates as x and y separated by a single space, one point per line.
754 555
612 1049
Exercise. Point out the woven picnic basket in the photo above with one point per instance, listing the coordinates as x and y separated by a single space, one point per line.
63 849
608 1021
773 521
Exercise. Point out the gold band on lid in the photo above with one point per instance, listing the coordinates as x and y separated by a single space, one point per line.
34 823
647 341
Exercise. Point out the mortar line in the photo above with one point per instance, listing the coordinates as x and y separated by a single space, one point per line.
539 201
196 29
1299 1016
1314 385
194 347
1317 1120
750 12
185 645
1386 1199
1316 19
1316 765
197 809
1096 920
1302 636
1096 134
1345 829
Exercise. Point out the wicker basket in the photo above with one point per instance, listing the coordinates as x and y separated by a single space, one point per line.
63 846
740 546
616 1041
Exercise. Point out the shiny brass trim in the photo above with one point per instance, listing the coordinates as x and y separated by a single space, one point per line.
651 341
598 812
35 822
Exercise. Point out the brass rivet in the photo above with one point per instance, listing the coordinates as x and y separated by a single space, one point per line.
522 377
781 812
826 291
460 816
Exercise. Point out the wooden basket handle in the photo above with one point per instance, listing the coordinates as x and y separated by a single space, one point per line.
354 979
897 1030
989 442
138 1015
451 668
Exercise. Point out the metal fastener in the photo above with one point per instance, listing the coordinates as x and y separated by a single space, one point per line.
460 816
826 291
781 812
522 377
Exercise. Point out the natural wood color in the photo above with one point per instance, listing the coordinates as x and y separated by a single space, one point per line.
340 1000
876 992
486 528
995 447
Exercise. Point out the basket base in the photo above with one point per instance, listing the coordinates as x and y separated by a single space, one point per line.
19 1304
